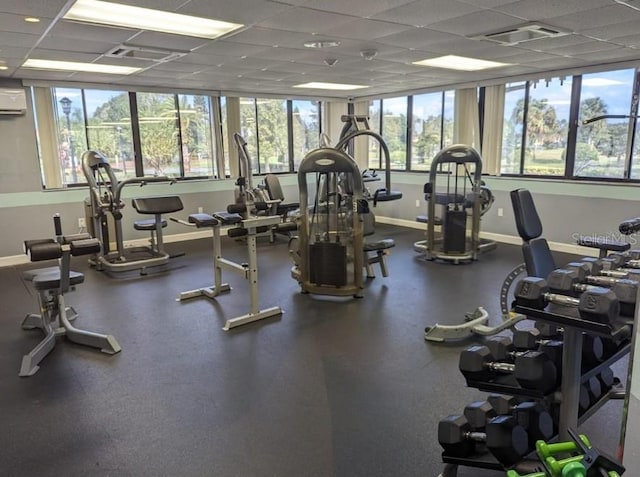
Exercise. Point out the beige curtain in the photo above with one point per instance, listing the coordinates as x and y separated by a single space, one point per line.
492 134
233 126
361 146
466 124
218 146
48 138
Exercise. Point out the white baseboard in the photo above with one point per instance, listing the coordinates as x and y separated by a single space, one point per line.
15 260
501 238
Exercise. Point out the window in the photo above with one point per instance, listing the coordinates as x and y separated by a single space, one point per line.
512 128
109 129
71 137
601 146
426 133
394 130
447 120
159 133
547 127
374 124
195 134
249 130
306 128
273 135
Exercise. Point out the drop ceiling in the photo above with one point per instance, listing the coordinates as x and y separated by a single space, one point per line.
268 55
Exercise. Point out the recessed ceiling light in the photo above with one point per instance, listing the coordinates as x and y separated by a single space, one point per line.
32 20
336 86
453 62
4 67
75 66
116 14
322 44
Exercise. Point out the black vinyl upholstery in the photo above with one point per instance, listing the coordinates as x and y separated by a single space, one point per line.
527 219
535 249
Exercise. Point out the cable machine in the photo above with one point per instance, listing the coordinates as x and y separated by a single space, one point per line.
330 242
455 206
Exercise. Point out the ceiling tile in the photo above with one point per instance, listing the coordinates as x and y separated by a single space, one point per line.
596 17
246 12
421 12
608 32
476 23
16 23
585 48
36 8
358 8
68 44
43 54
363 29
167 41
628 40
306 20
17 39
228 48
488 3
417 38
542 9
270 37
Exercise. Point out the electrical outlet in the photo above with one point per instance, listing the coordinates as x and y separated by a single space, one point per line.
200 210
417 202
81 222
500 212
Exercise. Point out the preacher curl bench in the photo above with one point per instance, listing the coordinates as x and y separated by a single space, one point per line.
51 285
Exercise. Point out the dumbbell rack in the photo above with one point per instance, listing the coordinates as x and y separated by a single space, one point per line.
572 378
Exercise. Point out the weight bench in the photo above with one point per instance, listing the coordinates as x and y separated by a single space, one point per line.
375 251
538 262
248 228
155 206
51 285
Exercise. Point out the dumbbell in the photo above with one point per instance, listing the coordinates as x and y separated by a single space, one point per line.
532 370
592 346
606 267
598 304
607 379
503 348
504 437
529 414
572 281
590 393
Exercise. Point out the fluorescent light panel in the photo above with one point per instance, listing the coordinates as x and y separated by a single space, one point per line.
116 14
75 66
336 86
462 63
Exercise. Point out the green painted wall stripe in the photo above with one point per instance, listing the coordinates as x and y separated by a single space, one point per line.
537 186
77 195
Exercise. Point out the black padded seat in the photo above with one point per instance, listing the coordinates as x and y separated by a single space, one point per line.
424 219
148 224
228 218
604 244
379 245
51 280
286 227
538 259
203 220
157 205
527 219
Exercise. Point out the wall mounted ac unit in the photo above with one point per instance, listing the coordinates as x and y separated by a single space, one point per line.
13 101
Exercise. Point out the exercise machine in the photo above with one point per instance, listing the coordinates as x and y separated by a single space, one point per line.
328 255
455 206
103 211
52 284
240 227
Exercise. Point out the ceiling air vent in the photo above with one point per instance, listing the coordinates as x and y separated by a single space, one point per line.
520 34
157 55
